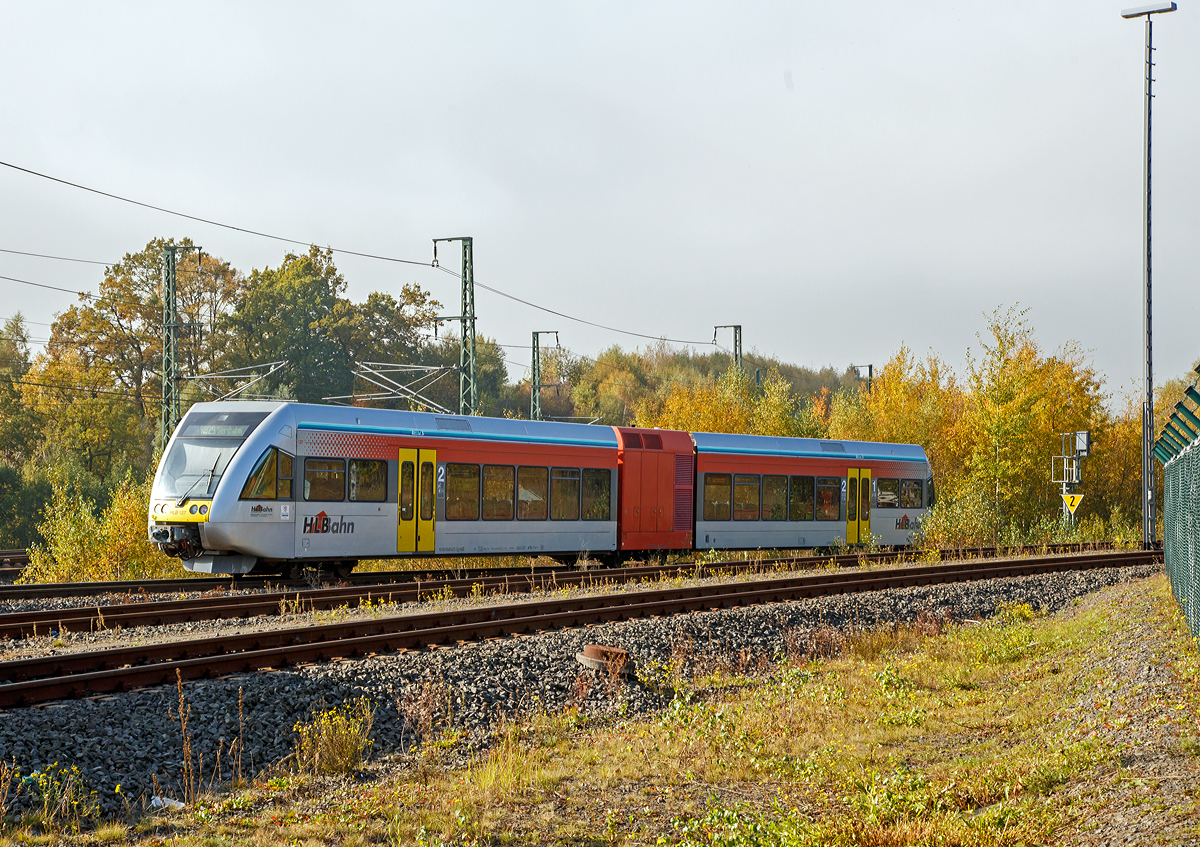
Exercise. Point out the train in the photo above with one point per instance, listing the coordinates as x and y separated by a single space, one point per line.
280 487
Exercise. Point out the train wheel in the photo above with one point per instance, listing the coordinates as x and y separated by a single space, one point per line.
342 570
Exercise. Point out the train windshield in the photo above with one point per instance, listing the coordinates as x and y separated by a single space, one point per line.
201 452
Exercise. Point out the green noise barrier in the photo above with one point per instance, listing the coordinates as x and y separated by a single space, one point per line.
1181 530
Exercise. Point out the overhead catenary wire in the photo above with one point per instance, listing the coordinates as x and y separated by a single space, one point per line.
361 254
198 219
59 258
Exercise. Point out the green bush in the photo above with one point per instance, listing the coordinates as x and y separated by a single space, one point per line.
82 544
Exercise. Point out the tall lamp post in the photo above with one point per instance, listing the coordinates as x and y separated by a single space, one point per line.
1148 531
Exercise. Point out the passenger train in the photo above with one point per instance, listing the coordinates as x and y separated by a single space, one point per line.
276 487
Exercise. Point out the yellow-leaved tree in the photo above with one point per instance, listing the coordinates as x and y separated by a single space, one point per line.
1021 401
910 402
83 544
732 402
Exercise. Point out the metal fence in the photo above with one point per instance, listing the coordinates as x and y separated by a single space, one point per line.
1181 530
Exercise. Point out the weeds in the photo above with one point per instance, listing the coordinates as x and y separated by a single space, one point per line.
10 787
64 797
505 768
191 782
336 741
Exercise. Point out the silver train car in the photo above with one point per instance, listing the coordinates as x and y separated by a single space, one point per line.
279 487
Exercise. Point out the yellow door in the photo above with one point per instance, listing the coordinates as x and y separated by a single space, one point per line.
406 503
852 506
864 505
426 500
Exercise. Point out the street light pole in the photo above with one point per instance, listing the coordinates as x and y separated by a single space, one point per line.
1148 517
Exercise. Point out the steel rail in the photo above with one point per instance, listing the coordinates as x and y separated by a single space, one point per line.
29 681
204 584
214 607
34 591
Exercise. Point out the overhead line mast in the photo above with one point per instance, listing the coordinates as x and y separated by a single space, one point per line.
171 381
468 390
535 375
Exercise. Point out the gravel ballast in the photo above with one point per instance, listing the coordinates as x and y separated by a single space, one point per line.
129 739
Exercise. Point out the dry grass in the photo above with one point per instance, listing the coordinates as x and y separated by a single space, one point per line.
928 733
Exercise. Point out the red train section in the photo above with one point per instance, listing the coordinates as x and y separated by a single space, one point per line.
657 489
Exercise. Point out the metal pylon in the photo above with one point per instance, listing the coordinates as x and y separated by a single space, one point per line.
1149 531
737 342
535 375
468 390
171 381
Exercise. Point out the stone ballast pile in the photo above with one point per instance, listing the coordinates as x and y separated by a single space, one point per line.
129 739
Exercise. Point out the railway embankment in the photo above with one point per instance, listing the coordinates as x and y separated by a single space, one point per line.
453 699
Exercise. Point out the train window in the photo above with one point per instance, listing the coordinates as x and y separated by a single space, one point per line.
285 476
774 498
911 495
800 506
597 494
829 498
427 489
887 493
852 498
716 496
462 492
262 482
745 497
932 498
407 472
564 494
368 481
324 479
532 493
864 509
498 492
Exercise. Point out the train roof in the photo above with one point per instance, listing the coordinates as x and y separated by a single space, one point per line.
399 422
766 445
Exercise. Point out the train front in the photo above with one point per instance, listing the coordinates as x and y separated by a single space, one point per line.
187 500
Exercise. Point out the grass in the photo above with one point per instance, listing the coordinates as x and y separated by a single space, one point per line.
931 733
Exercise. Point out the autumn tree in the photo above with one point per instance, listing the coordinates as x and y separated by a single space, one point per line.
732 402
909 402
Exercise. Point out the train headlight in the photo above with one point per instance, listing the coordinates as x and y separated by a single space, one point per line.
204 510
193 510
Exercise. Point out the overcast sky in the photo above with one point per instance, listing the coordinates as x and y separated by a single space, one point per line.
838 178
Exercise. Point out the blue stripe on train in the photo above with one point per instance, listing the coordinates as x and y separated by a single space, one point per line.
851 457
445 433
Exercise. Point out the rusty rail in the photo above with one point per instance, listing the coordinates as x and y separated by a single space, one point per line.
29 681
218 606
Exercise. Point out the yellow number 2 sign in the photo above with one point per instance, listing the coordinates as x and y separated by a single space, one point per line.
1072 501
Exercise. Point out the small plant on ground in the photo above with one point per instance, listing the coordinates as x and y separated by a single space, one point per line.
336 741
64 797
10 787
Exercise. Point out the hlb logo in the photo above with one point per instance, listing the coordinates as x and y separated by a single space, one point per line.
321 523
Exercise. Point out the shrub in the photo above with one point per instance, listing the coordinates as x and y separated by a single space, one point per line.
83 545
337 740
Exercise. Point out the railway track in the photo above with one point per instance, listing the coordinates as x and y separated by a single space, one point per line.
219 606
30 681
12 563
206 584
